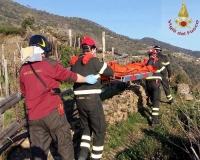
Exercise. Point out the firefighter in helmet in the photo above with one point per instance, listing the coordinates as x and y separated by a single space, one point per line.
39 84
153 84
88 100
166 74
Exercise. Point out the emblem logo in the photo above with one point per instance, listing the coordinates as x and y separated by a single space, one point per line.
183 22
43 43
183 19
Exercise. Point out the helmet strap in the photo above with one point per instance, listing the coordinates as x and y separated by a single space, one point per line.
47 54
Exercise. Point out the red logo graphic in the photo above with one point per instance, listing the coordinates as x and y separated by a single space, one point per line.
183 22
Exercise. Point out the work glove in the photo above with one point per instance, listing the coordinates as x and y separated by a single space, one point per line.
91 79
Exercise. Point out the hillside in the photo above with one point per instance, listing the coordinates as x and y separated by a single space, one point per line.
12 13
154 143
152 42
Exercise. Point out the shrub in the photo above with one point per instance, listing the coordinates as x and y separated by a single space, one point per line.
66 53
9 30
28 21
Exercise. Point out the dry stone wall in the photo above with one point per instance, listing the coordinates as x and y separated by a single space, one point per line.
119 106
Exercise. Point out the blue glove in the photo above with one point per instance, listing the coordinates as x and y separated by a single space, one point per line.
91 79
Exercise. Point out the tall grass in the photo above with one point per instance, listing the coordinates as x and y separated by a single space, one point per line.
176 137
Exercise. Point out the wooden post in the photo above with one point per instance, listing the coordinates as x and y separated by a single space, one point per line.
2 58
15 72
75 42
16 108
1 68
6 81
1 124
70 37
0 83
79 42
113 50
56 49
6 77
103 45
1 119
18 48
52 46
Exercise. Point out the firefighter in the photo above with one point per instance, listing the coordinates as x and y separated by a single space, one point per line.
153 84
88 100
166 74
39 84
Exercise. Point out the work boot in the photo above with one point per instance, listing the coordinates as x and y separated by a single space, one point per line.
83 157
154 120
84 154
171 101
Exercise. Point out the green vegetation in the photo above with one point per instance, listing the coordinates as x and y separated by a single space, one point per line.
17 112
8 118
176 137
121 129
66 53
9 30
28 21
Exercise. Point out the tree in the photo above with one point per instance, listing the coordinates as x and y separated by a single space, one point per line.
28 21
66 53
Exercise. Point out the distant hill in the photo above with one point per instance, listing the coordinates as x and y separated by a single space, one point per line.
152 42
12 14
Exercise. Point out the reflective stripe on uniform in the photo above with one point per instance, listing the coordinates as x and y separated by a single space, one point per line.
155 109
91 91
169 97
86 137
154 77
160 70
103 68
97 76
165 63
97 148
96 156
85 144
155 113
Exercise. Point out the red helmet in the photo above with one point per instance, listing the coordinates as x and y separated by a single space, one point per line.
88 41
152 51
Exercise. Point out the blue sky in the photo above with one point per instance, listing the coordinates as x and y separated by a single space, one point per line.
133 18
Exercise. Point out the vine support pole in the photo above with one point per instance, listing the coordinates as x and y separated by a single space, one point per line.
103 44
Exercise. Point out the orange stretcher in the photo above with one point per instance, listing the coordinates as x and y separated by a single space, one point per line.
130 72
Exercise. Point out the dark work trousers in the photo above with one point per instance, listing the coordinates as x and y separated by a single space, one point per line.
42 131
153 89
165 84
93 123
